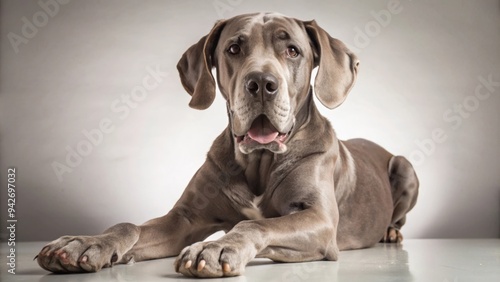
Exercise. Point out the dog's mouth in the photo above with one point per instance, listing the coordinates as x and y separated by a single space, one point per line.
263 135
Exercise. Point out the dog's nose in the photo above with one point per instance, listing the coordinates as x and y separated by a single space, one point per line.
259 83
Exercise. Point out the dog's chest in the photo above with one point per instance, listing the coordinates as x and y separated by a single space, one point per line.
257 171
263 172
253 211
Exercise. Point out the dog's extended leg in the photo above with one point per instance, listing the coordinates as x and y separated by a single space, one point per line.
404 189
122 243
302 236
188 222
166 236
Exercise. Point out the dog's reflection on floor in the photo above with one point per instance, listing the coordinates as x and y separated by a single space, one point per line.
372 264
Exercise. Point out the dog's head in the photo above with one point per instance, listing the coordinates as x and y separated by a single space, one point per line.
264 64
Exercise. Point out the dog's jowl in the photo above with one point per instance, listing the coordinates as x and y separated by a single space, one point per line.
286 188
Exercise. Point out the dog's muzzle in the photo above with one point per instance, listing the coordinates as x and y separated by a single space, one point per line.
263 135
267 123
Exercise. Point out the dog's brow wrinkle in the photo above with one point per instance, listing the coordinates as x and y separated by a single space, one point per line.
283 35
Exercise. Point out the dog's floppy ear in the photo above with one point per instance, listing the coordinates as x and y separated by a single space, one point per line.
338 66
195 69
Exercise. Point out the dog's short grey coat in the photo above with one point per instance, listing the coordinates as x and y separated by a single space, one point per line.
303 196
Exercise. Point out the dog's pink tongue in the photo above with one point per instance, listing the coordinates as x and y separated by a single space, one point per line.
263 131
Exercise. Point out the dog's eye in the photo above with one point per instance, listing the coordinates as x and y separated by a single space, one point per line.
292 52
234 49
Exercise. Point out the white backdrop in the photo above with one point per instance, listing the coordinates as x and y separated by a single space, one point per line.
91 88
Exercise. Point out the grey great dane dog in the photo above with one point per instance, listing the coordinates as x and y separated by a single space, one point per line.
277 180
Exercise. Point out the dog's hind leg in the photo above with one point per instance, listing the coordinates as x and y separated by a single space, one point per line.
404 189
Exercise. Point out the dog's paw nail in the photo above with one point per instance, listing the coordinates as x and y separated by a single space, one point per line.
84 259
201 265
35 257
188 264
226 267
63 255
44 250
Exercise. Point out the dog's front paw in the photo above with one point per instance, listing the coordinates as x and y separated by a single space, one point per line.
212 259
70 254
